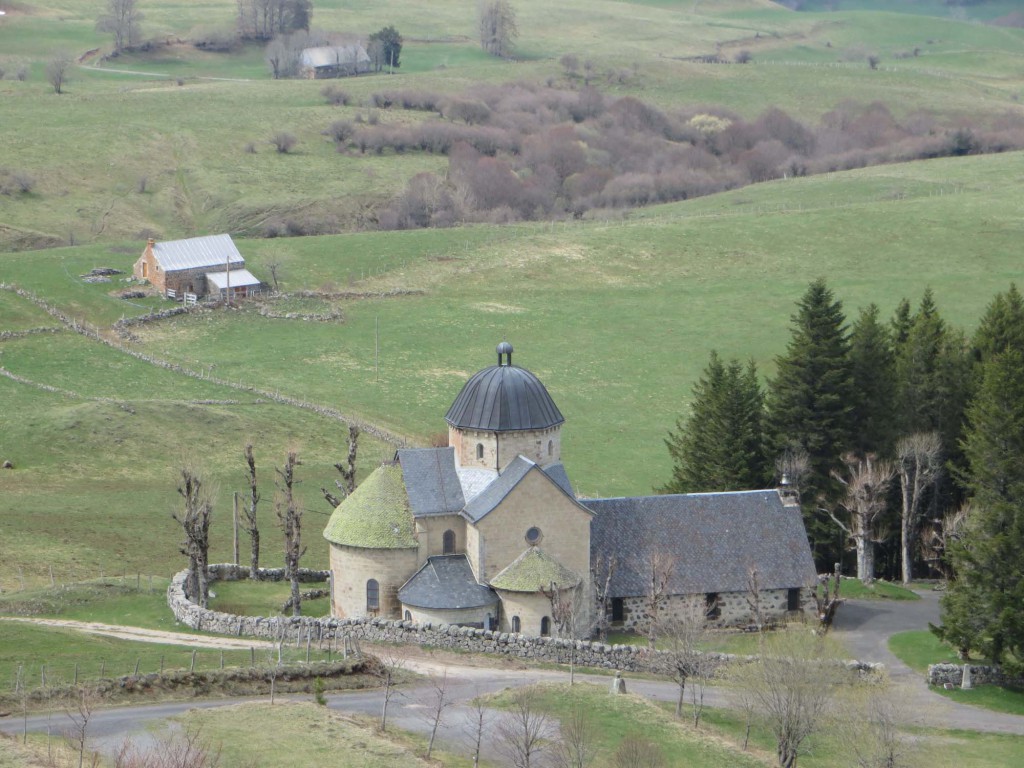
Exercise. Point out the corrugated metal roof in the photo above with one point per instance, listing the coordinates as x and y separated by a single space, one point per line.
197 252
503 398
335 55
714 538
240 278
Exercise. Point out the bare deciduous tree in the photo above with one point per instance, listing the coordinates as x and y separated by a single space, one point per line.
867 483
793 466
660 568
122 20
391 662
195 520
681 637
438 702
919 458
289 514
478 721
80 714
825 591
869 731
57 69
524 732
793 682
637 752
497 24
577 745
251 523
602 570
178 749
284 142
347 484
753 597
570 612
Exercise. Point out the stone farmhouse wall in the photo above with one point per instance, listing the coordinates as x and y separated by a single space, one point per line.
953 674
733 608
628 658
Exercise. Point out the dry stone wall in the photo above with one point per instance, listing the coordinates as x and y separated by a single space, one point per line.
953 674
629 658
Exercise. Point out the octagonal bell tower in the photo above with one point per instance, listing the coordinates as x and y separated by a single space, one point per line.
502 412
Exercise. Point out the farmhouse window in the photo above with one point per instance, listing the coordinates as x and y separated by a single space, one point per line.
448 542
545 627
515 624
372 595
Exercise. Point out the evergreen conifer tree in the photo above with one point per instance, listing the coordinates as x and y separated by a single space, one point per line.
1001 327
874 385
810 407
720 445
982 610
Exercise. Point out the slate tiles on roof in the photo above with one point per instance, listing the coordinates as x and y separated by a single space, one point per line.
446 582
533 571
714 538
474 480
196 253
494 493
431 481
557 473
503 398
376 515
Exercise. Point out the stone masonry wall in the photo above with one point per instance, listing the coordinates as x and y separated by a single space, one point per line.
953 674
629 658
733 608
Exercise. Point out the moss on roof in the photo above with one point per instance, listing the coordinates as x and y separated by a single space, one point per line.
533 571
376 516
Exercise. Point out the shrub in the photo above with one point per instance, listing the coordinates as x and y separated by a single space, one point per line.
335 95
340 131
284 142
743 57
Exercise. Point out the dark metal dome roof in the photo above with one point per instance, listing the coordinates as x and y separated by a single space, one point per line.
504 398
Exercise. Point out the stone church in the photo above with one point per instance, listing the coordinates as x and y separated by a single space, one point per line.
486 531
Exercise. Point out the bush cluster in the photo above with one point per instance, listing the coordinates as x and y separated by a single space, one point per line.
522 152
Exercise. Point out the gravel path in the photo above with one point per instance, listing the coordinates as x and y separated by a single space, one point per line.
142 635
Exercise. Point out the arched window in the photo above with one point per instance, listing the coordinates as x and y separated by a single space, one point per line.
408 615
448 542
372 595
515 624
545 627
551 447
479 450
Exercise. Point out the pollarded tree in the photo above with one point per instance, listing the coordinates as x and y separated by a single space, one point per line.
720 446
867 481
982 608
919 460
874 384
811 404
497 25
289 515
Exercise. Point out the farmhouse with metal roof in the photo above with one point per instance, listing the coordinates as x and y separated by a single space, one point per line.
199 265
488 532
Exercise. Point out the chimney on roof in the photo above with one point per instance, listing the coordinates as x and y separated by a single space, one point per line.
789 494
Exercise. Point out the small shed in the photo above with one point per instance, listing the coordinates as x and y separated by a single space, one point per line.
176 267
240 282
334 61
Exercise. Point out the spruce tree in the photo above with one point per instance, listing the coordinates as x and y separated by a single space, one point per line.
874 385
1001 327
982 610
810 407
720 445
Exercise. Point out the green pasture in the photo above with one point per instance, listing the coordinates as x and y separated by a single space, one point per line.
252 598
855 589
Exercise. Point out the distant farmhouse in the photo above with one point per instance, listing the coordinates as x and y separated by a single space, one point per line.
199 266
484 532
334 61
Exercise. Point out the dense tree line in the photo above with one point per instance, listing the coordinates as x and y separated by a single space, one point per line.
852 408
522 152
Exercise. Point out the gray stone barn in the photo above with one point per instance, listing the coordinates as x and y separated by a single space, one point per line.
334 61
198 265
710 542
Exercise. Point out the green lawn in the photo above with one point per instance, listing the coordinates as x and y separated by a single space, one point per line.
919 648
247 598
877 590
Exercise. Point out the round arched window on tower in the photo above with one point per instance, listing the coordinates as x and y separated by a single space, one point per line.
533 536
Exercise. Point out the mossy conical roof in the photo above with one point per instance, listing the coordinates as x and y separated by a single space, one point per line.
376 515
533 571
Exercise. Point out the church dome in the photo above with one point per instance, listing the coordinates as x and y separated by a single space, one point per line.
503 398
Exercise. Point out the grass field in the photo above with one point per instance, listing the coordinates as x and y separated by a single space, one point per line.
878 590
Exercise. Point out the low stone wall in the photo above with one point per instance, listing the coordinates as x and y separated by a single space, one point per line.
953 674
629 658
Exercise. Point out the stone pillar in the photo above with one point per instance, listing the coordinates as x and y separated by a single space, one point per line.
618 684
966 683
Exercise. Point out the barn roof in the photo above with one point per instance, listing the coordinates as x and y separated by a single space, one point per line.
196 253
446 582
334 55
713 538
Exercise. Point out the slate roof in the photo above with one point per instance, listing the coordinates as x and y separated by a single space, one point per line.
714 538
431 481
503 398
196 253
474 480
446 582
377 514
557 473
493 494
533 571
239 279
